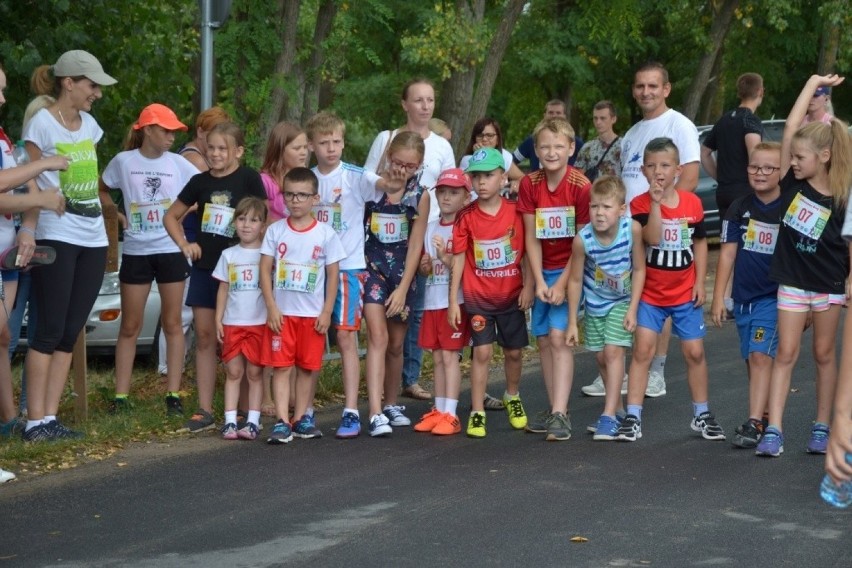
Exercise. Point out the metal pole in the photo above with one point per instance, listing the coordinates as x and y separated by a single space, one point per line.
206 56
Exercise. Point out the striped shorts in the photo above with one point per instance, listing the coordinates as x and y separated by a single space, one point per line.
608 329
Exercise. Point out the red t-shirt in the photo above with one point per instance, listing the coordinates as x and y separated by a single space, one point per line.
494 246
572 191
670 266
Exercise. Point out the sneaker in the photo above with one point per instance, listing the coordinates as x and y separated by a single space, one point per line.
198 422
748 435
447 426
771 443
248 432
606 428
306 428
819 438
428 421
492 403
174 406
476 425
596 388
593 427
656 385
630 429
281 433
229 431
62 432
380 424
350 426
395 416
6 475
119 405
13 427
538 423
40 433
515 410
707 425
558 427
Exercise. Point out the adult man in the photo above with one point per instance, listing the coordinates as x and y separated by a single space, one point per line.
651 88
601 156
526 151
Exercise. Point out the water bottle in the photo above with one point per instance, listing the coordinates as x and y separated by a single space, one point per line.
19 153
837 495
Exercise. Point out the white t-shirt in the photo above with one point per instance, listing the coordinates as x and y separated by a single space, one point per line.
83 221
298 277
149 188
7 220
507 160
240 268
438 157
437 295
343 193
670 124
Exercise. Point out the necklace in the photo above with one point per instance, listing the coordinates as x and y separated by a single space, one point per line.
75 135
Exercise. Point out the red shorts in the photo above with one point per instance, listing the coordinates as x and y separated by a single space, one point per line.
436 333
245 340
298 344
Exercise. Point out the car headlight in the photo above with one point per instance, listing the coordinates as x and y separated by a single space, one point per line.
110 285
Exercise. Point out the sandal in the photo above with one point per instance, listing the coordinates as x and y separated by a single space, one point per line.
268 409
41 255
492 403
416 392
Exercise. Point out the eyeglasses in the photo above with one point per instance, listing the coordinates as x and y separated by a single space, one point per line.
765 170
486 136
405 165
297 197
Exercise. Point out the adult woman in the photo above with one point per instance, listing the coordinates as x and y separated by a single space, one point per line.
418 102
67 289
486 133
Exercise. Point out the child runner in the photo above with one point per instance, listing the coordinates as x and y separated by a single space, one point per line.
298 277
676 263
216 192
394 226
241 317
554 202
608 269
488 251
149 178
749 235
811 261
452 193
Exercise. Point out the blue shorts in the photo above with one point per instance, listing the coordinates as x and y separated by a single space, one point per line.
757 325
202 289
349 303
545 317
9 275
687 319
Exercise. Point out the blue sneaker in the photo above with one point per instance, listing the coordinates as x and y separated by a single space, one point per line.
380 425
281 433
606 428
350 426
40 433
819 438
771 444
306 428
592 428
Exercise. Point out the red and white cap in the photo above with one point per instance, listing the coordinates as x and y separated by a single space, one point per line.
454 177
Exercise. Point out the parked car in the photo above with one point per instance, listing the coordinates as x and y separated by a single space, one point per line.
706 189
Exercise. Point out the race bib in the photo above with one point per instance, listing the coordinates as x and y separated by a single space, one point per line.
619 284
807 217
218 220
148 216
760 237
494 253
330 214
243 277
555 222
674 235
389 227
296 277
440 275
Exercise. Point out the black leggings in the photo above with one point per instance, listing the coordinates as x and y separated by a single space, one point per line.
65 292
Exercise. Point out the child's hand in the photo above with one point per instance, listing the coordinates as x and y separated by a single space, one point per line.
395 303
572 336
191 251
454 316
439 244
323 323
525 300
556 296
718 312
220 332
542 292
630 321
656 191
425 264
699 294
52 200
839 443
273 319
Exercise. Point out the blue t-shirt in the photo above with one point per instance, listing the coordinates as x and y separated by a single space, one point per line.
608 269
753 226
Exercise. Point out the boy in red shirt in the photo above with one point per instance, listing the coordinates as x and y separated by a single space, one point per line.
488 247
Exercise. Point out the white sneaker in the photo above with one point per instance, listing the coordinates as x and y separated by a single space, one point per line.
597 387
379 425
656 385
395 415
6 475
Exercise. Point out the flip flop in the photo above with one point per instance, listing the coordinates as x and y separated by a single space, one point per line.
41 256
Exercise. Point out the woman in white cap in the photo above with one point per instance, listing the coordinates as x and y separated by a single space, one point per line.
150 179
65 290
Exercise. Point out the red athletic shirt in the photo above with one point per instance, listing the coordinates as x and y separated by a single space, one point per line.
494 246
572 191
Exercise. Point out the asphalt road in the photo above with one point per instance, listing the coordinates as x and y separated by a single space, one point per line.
670 499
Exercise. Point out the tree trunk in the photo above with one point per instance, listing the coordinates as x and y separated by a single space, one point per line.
718 30
713 101
325 19
828 45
